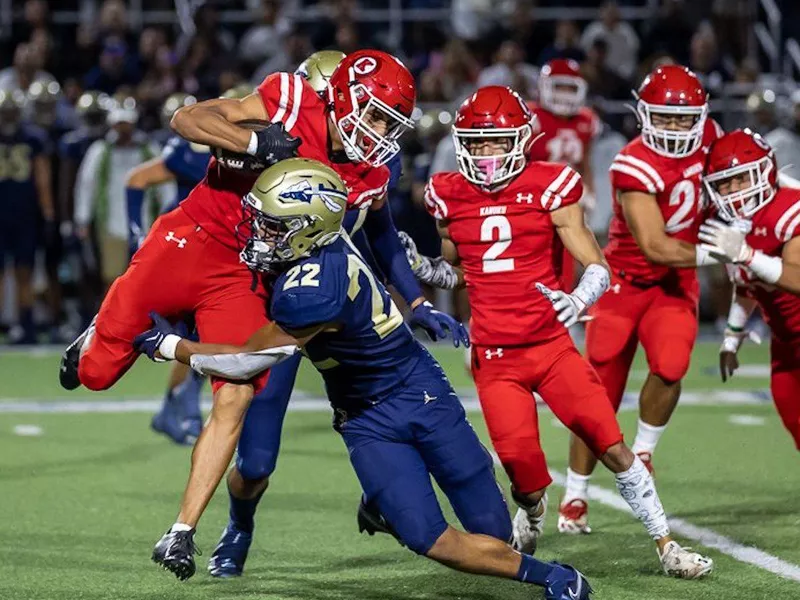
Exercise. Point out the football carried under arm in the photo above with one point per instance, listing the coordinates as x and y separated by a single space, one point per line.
728 242
646 223
267 347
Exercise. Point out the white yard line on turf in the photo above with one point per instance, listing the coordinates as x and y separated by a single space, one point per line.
701 535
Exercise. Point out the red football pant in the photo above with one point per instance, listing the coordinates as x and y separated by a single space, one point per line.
506 379
665 322
178 271
785 385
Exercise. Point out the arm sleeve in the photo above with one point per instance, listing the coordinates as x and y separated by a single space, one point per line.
242 366
389 253
85 184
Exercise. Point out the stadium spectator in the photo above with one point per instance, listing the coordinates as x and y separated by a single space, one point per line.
510 69
522 26
785 140
219 40
763 111
116 68
602 81
100 187
114 23
668 31
295 47
451 74
622 41
262 40
565 45
704 59
25 69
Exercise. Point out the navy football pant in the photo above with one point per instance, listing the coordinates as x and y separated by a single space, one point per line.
259 444
422 431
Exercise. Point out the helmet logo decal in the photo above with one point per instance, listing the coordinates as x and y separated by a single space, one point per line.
303 191
365 65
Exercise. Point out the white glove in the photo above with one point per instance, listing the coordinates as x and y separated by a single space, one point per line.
433 271
568 307
412 254
733 340
726 242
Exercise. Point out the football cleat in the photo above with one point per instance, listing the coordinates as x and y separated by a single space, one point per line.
68 369
528 527
230 554
573 517
371 521
168 421
647 459
175 552
566 583
683 563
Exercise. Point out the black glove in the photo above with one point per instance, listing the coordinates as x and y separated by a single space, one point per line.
275 145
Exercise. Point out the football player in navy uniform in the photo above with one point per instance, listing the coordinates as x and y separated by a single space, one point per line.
399 417
25 193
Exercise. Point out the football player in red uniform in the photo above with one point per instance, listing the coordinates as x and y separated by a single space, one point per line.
195 261
761 237
566 128
653 255
503 219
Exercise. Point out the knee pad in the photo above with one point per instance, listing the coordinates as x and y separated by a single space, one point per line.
494 522
257 464
606 338
670 364
418 533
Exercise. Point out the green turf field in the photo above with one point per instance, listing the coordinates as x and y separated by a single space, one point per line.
83 502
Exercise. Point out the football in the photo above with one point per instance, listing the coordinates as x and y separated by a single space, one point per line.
239 161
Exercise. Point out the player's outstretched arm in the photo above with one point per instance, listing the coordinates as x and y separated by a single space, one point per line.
735 333
212 122
646 223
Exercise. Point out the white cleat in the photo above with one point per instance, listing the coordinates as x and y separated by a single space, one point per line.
683 563
573 517
528 526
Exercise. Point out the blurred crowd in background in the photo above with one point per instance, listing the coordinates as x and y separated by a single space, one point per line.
100 70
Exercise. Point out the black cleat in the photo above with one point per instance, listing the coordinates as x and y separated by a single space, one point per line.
175 552
371 521
68 369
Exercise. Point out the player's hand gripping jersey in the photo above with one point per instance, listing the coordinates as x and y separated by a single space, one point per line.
507 243
676 184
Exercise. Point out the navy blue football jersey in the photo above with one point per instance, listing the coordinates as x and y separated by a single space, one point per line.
187 161
367 350
74 144
17 153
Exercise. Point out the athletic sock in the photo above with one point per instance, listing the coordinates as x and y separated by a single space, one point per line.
638 489
243 512
647 437
577 487
532 570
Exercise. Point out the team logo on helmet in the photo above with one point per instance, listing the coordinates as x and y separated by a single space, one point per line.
303 191
365 65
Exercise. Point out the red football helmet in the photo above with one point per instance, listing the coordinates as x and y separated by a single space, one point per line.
731 157
370 86
562 88
493 112
669 91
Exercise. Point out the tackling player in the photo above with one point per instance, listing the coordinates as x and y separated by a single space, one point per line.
566 128
653 254
762 239
394 408
500 218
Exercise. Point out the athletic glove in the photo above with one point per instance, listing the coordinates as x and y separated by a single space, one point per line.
275 144
436 324
162 338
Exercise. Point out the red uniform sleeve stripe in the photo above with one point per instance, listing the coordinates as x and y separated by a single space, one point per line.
636 174
297 99
646 168
551 193
433 200
559 198
783 231
283 103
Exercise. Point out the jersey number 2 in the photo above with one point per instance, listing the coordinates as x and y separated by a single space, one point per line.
492 263
683 196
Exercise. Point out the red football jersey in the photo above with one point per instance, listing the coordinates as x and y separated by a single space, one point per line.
563 139
215 204
676 184
773 226
507 243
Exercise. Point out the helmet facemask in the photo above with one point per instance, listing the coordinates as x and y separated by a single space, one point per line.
673 143
756 192
362 142
491 170
563 95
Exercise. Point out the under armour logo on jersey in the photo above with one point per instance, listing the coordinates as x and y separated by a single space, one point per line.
427 398
490 354
528 198
171 238
760 231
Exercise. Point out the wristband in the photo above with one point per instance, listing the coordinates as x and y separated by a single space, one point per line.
252 147
766 268
168 346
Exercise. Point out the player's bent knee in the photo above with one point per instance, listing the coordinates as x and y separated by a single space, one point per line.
232 400
419 535
525 464
496 524
95 376
670 369
257 465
